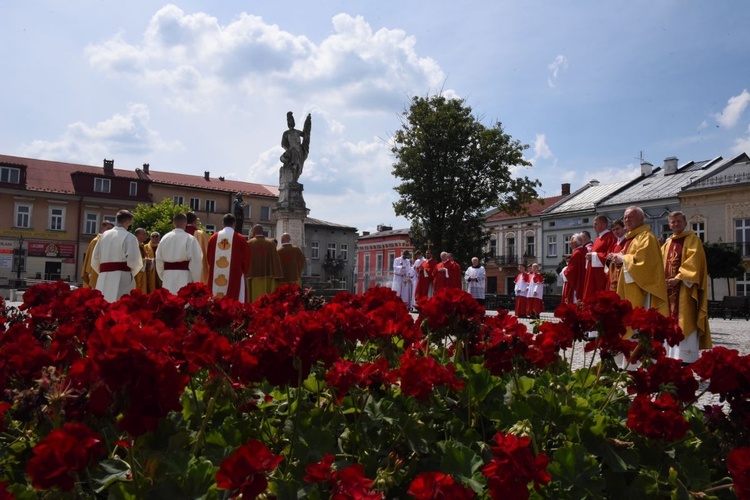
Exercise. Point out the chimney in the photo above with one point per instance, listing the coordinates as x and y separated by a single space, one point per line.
365 233
145 168
109 166
593 182
565 188
646 169
207 175
670 165
383 227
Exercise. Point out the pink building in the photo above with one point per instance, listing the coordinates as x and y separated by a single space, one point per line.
375 255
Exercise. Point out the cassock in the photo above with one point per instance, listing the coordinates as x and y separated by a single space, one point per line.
202 239
575 276
684 259
179 260
425 276
641 279
440 279
117 259
521 288
475 277
265 266
292 263
88 275
454 274
402 280
596 278
534 295
228 264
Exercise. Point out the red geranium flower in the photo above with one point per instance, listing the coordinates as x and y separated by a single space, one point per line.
667 374
659 418
738 463
420 374
656 326
436 485
351 483
514 467
244 471
63 452
320 472
722 367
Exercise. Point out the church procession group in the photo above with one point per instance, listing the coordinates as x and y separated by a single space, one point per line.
118 261
625 257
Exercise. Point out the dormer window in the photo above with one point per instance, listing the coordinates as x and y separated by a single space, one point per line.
10 175
101 185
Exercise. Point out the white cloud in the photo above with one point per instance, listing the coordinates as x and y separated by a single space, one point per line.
541 149
122 133
560 63
742 144
609 175
733 111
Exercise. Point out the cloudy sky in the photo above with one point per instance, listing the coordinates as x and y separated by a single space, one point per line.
205 85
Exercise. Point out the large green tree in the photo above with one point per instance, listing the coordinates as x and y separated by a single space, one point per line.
156 216
452 170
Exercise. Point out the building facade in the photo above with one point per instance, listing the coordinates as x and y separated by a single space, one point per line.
330 250
376 253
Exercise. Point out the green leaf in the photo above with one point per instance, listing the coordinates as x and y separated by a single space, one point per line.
459 461
577 471
113 470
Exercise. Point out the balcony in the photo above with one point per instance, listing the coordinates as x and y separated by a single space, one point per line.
508 260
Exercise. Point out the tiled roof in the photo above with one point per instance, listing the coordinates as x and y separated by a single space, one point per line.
385 234
584 199
213 183
734 171
318 222
55 176
659 185
534 208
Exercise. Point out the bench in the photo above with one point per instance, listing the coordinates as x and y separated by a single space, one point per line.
736 307
716 309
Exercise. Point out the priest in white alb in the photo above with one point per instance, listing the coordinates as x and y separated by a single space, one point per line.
179 258
117 259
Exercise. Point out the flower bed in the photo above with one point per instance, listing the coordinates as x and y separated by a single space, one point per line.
188 396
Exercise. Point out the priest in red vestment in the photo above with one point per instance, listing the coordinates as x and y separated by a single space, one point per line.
575 272
442 273
455 274
425 276
596 278
228 256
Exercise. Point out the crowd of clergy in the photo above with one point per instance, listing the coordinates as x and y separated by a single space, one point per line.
232 265
627 258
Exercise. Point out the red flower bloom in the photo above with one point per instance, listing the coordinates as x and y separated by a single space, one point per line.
514 467
4 407
351 483
64 451
738 463
342 376
436 485
319 472
660 418
657 327
665 374
244 471
420 374
722 366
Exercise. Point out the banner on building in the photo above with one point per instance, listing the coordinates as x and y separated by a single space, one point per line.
50 249
6 253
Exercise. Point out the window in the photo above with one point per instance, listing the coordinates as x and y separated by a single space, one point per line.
331 252
210 228
367 264
379 263
342 281
700 230
101 185
666 232
265 214
530 246
10 175
210 205
248 212
742 236
91 224
56 218
314 250
178 200
566 244
743 285
133 188
493 246
344 251
111 218
510 247
551 246
23 215
195 204
391 258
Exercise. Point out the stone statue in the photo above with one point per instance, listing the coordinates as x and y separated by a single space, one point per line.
239 212
296 146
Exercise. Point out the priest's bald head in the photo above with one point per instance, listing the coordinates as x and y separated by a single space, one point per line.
633 218
258 230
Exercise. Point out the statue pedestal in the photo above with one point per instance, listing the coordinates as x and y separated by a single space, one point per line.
292 222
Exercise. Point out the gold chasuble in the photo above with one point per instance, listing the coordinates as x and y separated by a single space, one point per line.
265 267
642 278
684 259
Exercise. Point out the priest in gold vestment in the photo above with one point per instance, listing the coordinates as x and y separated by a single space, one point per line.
686 273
